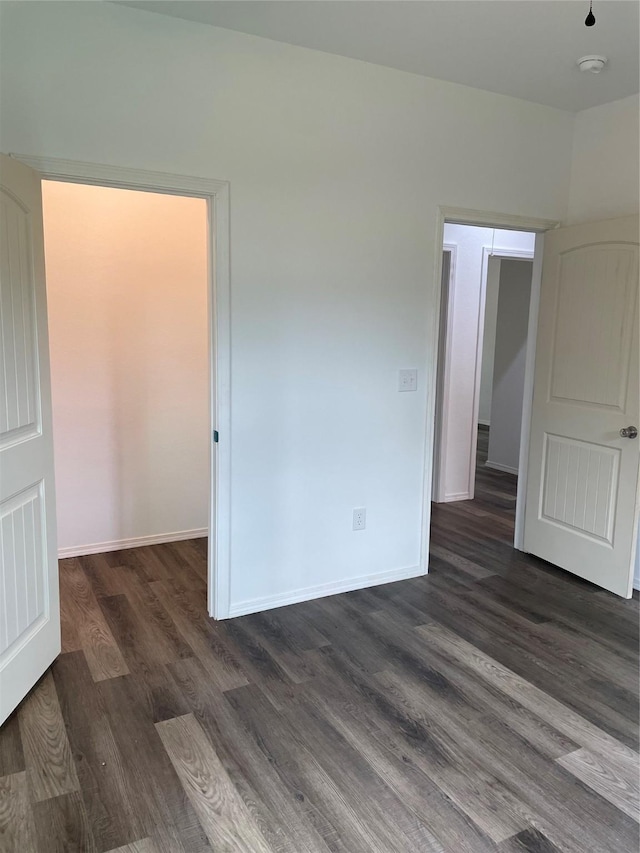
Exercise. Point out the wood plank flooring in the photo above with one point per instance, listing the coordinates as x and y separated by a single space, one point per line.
491 706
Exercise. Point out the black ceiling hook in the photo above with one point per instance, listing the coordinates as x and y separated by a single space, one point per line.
590 20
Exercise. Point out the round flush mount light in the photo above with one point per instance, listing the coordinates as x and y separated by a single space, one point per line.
593 63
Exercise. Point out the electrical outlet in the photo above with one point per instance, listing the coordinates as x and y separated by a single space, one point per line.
407 380
359 518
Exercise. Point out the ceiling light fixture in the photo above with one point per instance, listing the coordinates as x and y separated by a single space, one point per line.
590 20
593 63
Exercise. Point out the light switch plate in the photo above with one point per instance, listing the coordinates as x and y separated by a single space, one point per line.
408 380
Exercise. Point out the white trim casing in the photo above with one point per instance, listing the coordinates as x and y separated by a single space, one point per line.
441 423
268 602
498 466
488 219
455 496
487 253
217 195
136 542
527 396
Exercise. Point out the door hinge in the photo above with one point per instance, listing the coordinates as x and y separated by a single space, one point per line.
215 436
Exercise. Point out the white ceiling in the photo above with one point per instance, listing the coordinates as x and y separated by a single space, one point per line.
524 48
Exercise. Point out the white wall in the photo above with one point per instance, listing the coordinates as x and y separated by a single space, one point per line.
489 339
336 169
605 168
127 296
508 365
458 467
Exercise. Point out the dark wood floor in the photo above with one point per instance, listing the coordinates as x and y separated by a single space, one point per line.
492 706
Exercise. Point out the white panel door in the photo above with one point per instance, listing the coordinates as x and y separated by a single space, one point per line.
29 595
582 493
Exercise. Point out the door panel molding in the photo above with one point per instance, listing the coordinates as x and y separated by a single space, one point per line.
20 417
587 488
22 526
579 270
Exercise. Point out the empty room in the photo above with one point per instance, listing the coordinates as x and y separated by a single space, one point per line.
319 408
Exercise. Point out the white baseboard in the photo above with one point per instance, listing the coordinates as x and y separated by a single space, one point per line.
136 542
456 496
268 602
498 466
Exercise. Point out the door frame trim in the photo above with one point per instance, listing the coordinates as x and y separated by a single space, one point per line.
487 254
486 219
443 372
216 193
527 392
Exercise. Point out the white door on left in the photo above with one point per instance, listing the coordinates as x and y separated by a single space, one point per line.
29 594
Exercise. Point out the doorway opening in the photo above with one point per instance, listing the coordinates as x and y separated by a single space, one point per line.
215 195
504 347
579 408
128 333
485 346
